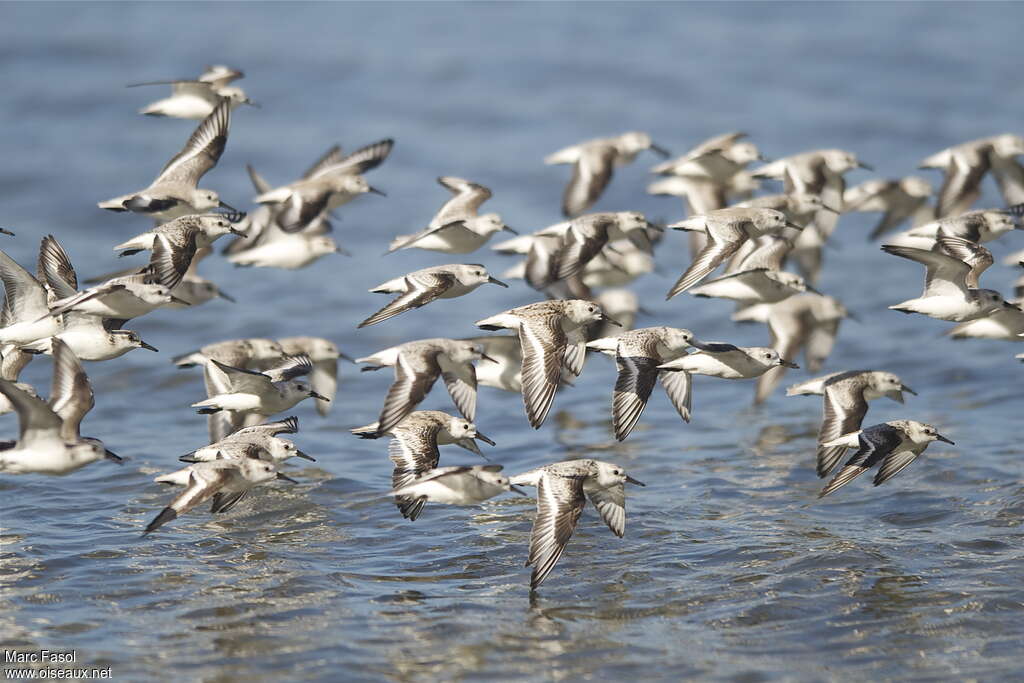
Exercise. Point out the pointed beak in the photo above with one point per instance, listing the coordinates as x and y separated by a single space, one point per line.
338 249
484 439
631 480
655 226
791 224
316 395
904 387
226 296
285 477
521 492
853 316
225 205
763 159
868 167
660 151
252 103
508 229
812 290
304 456
374 190
940 437
5 231
610 321
180 302
236 231
826 207
788 364
496 281
484 356
698 344
350 359
148 347
111 455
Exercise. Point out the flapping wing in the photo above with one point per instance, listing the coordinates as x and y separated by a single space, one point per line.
55 268
961 185
678 386
543 346
460 380
240 380
973 254
331 157
71 395
876 443
722 243
844 411
637 362
360 161
36 421
466 202
169 263
290 367
202 151
611 504
413 452
590 175
423 289
25 297
324 380
944 274
414 377
560 503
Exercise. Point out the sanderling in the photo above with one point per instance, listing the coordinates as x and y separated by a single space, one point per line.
413 448
983 225
194 289
897 200
717 159
457 228
261 393
946 295
12 363
562 492
808 322
264 435
174 192
225 480
459 485
196 98
1006 324
638 354
550 338
325 354
26 313
49 441
203 229
727 229
420 287
505 372
754 286
331 183
965 165
417 366
894 444
593 163
724 361
846 396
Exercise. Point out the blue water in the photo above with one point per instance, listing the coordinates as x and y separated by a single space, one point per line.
730 568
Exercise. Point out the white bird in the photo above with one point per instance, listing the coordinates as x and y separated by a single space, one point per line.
898 201
638 354
753 286
194 99
414 448
457 228
49 441
26 315
894 444
420 287
727 230
846 396
264 435
202 230
593 162
966 164
175 191
457 485
947 294
324 377
261 393
417 366
335 180
562 492
224 480
551 338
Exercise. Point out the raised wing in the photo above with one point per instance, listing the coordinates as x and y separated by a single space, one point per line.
202 151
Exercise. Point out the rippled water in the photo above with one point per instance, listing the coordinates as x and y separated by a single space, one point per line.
730 568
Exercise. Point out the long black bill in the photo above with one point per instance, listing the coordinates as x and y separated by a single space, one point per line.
304 456
484 439
226 297
316 395
286 478
521 492
788 364
791 224
496 281
940 437
179 301
484 356
148 347
867 167
904 387
611 321
508 229
631 480
660 151
374 190
111 455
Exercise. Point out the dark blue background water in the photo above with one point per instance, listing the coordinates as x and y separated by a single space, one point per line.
730 569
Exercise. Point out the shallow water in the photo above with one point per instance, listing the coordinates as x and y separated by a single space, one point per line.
730 568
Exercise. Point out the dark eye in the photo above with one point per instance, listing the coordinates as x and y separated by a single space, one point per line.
616 472
465 426
591 309
767 355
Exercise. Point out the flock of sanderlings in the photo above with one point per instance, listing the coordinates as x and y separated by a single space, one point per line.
248 381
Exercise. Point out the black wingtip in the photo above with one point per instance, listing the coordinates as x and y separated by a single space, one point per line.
166 515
